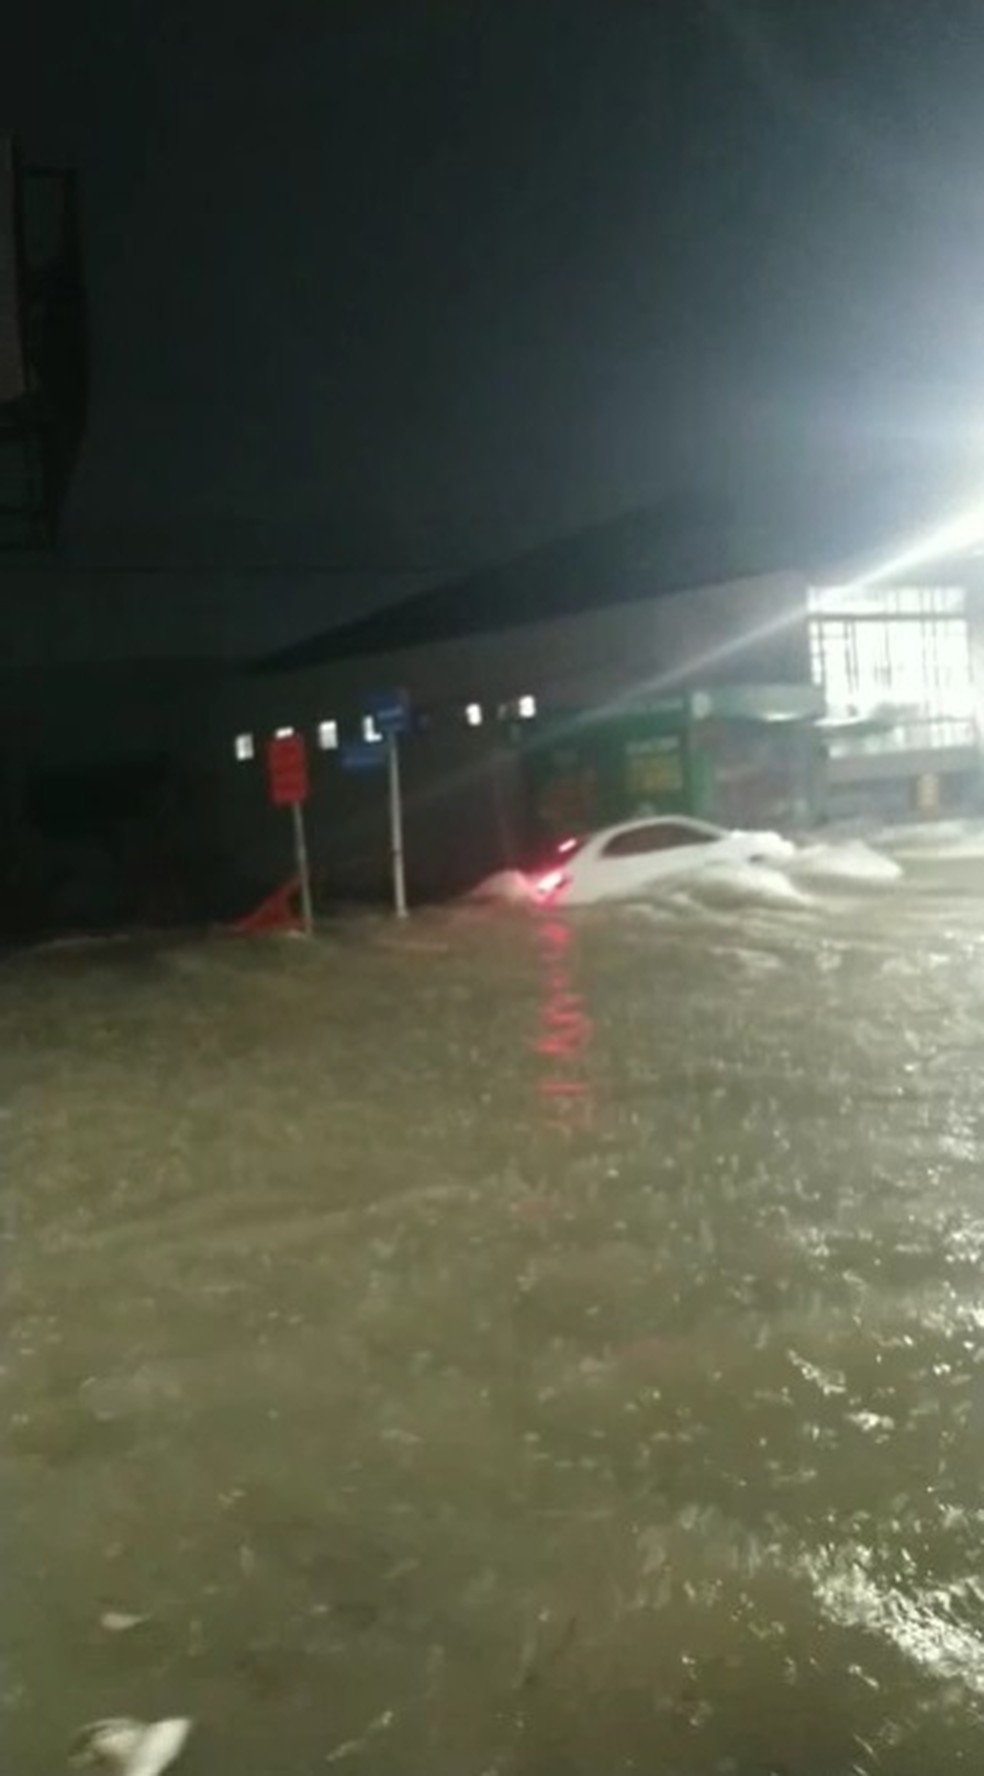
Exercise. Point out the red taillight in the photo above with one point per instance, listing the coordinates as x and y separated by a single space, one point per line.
550 884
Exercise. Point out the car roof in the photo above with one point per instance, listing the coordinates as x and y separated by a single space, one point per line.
702 826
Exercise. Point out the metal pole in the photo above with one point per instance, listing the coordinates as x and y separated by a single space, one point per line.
303 867
396 828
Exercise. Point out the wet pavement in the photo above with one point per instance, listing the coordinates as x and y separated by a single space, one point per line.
515 1345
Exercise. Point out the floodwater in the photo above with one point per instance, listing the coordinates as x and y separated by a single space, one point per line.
504 1346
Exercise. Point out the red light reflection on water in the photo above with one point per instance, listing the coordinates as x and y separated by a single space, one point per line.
563 1037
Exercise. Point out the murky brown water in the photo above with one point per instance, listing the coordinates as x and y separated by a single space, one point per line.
538 1348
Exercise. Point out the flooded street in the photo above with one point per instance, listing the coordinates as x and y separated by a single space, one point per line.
505 1346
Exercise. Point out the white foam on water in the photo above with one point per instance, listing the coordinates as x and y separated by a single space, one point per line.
652 912
852 861
504 888
938 839
759 883
921 1625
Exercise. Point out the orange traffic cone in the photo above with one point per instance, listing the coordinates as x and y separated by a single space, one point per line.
277 912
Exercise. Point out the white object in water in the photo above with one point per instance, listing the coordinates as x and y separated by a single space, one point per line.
120 1621
129 1747
622 862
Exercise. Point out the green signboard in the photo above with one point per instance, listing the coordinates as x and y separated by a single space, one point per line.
595 772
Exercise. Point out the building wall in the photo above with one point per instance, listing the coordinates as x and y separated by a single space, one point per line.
67 723
466 813
746 630
463 808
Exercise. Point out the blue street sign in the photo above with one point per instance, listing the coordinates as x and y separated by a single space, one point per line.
390 710
363 755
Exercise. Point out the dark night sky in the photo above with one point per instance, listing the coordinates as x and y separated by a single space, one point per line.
381 284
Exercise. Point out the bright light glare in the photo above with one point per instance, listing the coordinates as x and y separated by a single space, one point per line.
962 533
283 733
923 667
245 749
958 535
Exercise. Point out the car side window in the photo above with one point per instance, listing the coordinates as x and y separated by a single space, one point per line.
662 835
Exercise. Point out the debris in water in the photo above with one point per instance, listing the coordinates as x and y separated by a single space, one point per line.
349 1747
120 1621
129 1747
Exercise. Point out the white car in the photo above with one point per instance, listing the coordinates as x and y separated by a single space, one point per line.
625 860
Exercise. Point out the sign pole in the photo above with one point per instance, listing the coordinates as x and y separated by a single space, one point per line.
289 786
303 867
396 827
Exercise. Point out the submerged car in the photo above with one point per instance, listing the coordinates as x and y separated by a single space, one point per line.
625 860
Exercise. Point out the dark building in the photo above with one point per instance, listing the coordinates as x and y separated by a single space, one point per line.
43 347
583 686
586 685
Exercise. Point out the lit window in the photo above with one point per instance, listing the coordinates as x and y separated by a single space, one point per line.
905 661
328 736
283 733
526 708
370 732
245 749
473 714
860 600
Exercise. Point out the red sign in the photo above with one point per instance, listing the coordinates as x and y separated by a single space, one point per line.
287 770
